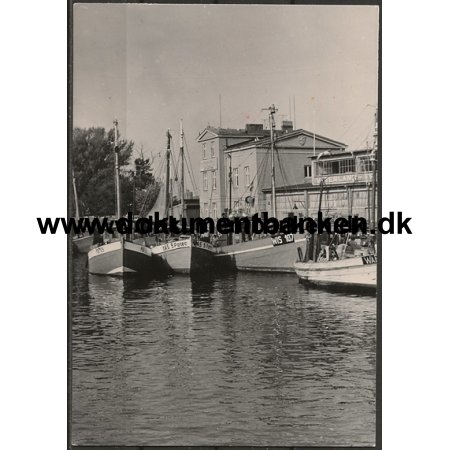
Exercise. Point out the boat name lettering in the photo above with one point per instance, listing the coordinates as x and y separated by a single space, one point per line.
176 244
283 239
370 259
100 250
205 245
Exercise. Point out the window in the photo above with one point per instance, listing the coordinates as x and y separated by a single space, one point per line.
236 177
205 181
212 150
347 166
337 167
236 205
213 179
307 171
247 175
214 210
205 210
365 164
204 151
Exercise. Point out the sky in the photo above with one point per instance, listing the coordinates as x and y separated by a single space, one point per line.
151 65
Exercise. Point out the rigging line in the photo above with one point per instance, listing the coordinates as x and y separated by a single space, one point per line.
174 174
353 123
365 133
189 166
284 176
158 183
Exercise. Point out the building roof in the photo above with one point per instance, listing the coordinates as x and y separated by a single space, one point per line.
281 136
232 132
346 153
309 186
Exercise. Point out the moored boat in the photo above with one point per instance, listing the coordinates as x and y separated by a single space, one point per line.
269 254
181 254
329 265
186 255
119 255
276 253
356 271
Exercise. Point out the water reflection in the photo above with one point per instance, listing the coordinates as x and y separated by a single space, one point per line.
250 359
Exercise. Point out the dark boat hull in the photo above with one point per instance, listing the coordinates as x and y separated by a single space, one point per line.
120 257
83 244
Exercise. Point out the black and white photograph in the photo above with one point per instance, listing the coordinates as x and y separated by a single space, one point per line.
224 225
223 326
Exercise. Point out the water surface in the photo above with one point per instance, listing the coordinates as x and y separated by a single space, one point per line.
248 359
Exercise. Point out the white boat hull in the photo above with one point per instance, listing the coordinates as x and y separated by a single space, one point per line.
186 256
260 255
358 271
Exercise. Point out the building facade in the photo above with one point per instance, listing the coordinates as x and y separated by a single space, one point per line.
236 165
212 143
348 188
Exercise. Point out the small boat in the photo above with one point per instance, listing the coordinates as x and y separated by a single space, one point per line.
121 256
352 272
186 255
118 255
182 254
329 265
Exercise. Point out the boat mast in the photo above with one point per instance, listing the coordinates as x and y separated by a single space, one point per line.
374 170
169 137
272 111
117 168
182 168
75 196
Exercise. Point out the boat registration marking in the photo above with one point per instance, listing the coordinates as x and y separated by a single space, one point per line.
174 245
369 259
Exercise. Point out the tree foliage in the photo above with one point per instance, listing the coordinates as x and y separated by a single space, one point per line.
93 166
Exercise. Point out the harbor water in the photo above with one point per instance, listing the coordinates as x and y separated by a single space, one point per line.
242 359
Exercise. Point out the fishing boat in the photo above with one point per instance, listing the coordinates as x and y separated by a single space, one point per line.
325 264
357 271
266 254
182 254
117 255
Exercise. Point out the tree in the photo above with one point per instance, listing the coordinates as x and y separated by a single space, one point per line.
93 166
145 188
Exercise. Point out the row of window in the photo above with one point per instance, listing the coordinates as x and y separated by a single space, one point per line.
342 166
207 212
204 150
235 176
246 176
213 211
206 180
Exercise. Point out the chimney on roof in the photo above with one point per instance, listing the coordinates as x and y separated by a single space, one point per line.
287 126
253 127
